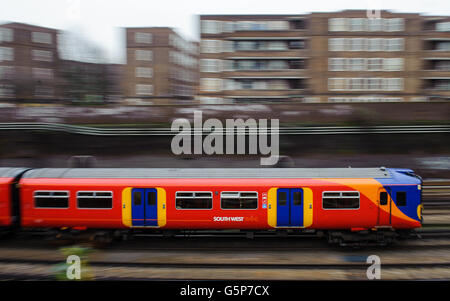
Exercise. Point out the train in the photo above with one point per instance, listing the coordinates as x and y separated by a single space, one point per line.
345 205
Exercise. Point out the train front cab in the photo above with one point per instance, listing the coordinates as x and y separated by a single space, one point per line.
400 200
290 207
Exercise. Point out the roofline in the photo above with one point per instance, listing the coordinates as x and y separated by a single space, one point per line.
31 25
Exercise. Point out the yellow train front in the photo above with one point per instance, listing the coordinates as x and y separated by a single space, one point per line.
349 205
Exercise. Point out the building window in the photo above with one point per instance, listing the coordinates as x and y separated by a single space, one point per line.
144 55
357 24
393 84
95 199
442 46
376 44
374 84
6 54
340 200
6 35
393 64
401 198
337 84
144 90
228 26
239 200
51 199
211 27
42 55
44 91
394 24
366 84
209 65
194 200
336 64
364 24
300 44
358 44
41 37
211 84
364 99
337 44
7 91
211 46
443 26
277 25
375 24
357 64
394 44
143 37
42 73
375 64
277 46
6 72
144 72
337 24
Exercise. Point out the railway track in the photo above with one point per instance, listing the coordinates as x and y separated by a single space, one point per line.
234 259
316 130
46 269
436 194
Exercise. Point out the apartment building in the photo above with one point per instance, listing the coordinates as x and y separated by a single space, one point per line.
324 57
161 65
81 81
28 62
254 58
436 57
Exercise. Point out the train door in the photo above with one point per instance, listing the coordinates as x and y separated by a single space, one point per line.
144 212
384 207
289 207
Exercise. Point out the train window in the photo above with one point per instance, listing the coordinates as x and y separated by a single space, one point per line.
51 199
383 198
340 200
282 198
194 200
297 198
401 198
239 200
151 198
95 199
137 198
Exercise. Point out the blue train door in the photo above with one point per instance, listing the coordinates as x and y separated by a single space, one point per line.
144 210
290 207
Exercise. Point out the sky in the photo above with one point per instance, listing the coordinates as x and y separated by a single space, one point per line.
101 21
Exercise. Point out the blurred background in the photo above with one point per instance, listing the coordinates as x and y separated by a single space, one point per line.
379 80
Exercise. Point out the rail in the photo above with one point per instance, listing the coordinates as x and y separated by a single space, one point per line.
315 130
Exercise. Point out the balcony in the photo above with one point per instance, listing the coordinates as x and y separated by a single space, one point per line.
437 44
437 84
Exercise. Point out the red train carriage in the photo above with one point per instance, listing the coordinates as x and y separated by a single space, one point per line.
348 199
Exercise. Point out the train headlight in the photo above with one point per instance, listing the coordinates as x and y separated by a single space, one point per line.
420 211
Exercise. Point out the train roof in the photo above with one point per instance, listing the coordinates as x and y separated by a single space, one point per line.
11 172
206 173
